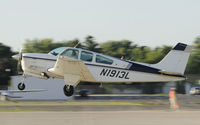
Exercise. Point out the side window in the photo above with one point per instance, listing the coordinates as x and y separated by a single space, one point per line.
71 53
86 56
101 59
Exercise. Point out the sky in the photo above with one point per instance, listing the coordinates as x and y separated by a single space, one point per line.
145 22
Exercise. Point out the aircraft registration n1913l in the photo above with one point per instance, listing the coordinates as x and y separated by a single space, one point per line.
75 65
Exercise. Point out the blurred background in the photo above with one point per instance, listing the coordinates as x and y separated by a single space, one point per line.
126 48
142 31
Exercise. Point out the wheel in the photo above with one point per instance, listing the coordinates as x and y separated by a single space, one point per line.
68 90
21 86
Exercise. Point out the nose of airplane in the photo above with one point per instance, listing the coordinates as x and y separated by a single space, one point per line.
17 56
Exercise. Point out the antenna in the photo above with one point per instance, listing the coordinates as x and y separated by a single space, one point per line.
77 44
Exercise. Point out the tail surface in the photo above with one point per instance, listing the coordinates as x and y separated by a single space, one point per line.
176 60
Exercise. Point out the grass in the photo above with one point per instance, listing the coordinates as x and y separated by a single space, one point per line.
19 106
81 103
19 110
196 103
127 95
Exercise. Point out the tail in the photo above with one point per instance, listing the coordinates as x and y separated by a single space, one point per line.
176 60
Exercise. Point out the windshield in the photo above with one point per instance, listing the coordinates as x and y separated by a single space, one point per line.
71 53
56 51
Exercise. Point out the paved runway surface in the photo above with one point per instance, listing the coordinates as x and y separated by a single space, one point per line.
101 118
158 114
186 102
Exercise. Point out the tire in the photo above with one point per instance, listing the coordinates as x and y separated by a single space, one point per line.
21 86
68 90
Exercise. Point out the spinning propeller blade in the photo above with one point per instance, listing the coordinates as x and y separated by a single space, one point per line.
19 65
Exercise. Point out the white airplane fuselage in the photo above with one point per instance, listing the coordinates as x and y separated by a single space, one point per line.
120 71
75 65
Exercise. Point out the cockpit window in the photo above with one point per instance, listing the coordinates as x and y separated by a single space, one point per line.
71 53
101 59
86 56
56 51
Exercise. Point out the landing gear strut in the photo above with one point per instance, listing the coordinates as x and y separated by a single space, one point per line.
68 90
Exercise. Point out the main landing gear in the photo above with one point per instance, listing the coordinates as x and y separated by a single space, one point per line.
68 90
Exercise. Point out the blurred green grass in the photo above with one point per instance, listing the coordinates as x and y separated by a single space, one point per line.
75 103
127 95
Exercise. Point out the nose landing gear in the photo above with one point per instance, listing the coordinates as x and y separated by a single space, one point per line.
21 85
68 90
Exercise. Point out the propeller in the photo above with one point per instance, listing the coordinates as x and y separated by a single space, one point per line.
19 65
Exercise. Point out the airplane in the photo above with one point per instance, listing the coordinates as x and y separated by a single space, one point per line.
75 65
8 94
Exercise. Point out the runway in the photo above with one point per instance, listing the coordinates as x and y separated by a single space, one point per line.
104 103
101 118
95 111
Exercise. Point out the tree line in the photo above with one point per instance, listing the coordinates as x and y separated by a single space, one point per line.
128 49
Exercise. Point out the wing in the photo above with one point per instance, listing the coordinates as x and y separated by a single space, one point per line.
15 97
71 70
26 91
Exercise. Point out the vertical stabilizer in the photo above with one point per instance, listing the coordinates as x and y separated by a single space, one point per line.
176 60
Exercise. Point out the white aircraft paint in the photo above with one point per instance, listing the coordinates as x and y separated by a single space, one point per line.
171 68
